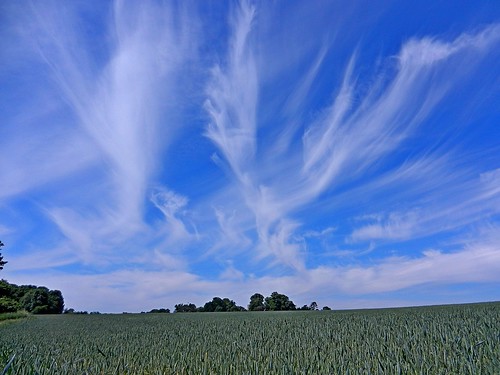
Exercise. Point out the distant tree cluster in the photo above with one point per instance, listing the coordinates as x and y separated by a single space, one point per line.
159 311
275 302
34 299
222 305
73 311
186 307
217 304
278 302
312 307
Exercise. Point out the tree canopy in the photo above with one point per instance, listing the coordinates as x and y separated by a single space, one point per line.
278 302
185 307
159 311
34 299
275 302
221 305
256 302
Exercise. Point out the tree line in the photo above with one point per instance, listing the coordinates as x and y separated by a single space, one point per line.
275 302
31 298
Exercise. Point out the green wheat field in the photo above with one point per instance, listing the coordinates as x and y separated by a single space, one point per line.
455 339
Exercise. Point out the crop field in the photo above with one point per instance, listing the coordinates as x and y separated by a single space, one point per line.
459 339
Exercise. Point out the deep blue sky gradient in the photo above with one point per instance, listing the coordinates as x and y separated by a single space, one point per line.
342 152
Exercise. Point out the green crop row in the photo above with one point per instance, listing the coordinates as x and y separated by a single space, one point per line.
462 339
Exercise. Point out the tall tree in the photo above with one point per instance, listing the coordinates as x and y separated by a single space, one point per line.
2 262
279 302
221 305
256 302
216 305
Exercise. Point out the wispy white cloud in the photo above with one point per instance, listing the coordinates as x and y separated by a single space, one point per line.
232 231
449 208
349 139
478 261
40 258
31 164
308 133
167 261
116 115
352 136
119 107
232 273
172 206
4 229
319 234
233 96
232 106
395 227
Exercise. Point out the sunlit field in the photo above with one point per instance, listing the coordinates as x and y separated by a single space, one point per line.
459 339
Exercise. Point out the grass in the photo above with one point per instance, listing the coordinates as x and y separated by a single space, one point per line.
13 316
460 339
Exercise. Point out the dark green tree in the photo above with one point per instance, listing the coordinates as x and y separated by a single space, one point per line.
216 304
9 305
278 302
256 302
159 311
41 300
185 307
2 262
221 305
34 299
8 301
313 306
6 289
55 302
229 304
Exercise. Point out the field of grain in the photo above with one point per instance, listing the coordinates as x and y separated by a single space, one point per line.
460 339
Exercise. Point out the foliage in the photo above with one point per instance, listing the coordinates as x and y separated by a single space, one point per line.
13 316
73 311
159 311
221 305
217 304
278 302
275 302
34 299
313 307
8 305
460 339
256 302
2 262
185 307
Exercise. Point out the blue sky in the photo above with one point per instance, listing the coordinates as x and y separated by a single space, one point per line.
154 153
